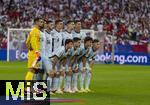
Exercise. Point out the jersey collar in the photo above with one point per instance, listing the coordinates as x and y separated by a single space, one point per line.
57 31
47 31
68 32
76 31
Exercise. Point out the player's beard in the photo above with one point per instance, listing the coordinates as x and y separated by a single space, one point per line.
41 27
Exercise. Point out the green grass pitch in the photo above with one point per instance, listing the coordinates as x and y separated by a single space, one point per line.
112 84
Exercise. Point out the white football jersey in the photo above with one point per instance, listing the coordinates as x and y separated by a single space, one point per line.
66 35
92 54
61 53
43 43
48 47
56 40
84 52
80 35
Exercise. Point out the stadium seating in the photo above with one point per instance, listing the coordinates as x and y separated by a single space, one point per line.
130 19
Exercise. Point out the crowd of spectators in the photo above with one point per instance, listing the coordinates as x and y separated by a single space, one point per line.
128 20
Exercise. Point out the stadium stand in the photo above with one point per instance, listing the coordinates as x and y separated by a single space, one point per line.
129 18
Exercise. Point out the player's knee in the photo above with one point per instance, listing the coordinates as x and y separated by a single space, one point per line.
51 74
89 73
57 74
62 73
75 71
69 73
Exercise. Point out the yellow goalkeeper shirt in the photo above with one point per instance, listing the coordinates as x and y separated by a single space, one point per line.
33 40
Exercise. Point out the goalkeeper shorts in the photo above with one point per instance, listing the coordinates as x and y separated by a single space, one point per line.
31 58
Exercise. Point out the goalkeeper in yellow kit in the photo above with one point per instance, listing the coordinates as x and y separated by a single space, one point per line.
33 44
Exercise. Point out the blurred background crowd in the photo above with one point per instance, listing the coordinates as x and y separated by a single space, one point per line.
127 20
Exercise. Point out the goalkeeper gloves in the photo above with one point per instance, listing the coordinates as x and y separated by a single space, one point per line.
38 55
38 58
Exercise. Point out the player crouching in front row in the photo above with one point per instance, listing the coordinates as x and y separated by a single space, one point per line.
57 59
74 60
90 62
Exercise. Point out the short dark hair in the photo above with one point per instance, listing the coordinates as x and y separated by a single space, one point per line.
67 41
87 39
95 41
37 19
58 21
49 21
75 39
70 21
76 21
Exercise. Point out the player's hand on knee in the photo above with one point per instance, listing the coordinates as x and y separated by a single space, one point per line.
76 70
62 73
57 74
70 72
63 69
38 55
83 70
90 69
51 74
76 67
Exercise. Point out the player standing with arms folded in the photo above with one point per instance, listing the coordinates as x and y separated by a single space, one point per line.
74 62
82 59
58 57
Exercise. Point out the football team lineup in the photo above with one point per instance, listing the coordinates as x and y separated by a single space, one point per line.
111 84
74 52
60 57
66 61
